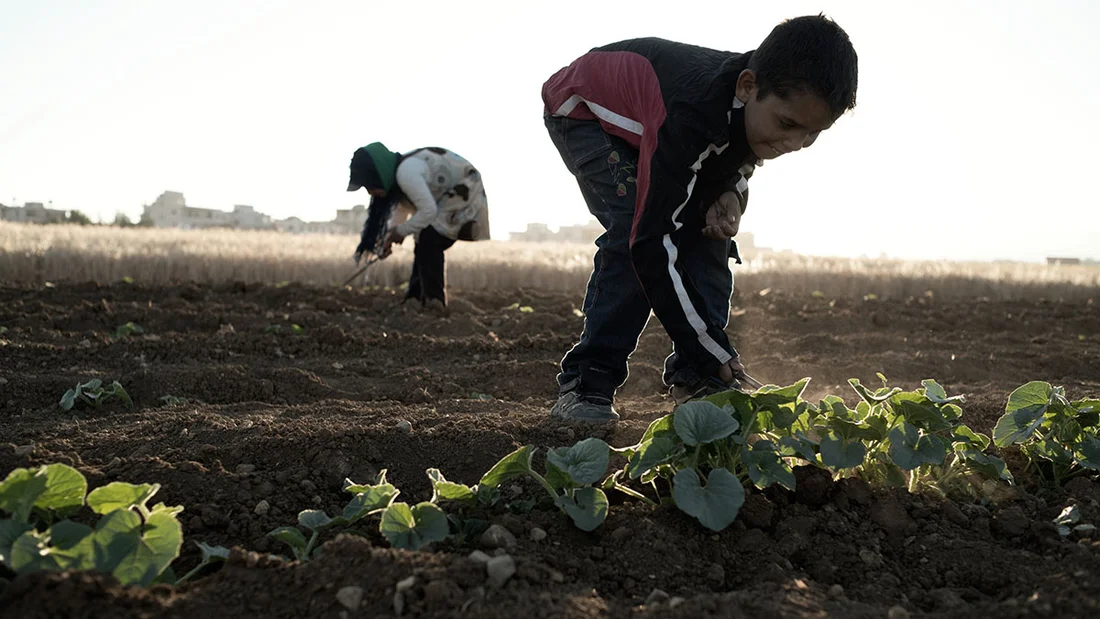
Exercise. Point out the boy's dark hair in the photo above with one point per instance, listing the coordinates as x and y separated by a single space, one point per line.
811 54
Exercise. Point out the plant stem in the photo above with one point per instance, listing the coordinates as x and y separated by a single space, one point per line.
695 458
545 484
188 575
309 546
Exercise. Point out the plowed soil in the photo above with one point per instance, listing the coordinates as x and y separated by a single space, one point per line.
283 415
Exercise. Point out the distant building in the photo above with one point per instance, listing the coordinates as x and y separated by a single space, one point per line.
541 233
1056 261
32 213
170 210
351 219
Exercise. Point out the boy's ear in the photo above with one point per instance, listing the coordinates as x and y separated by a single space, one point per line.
746 85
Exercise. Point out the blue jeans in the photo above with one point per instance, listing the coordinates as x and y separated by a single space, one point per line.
615 307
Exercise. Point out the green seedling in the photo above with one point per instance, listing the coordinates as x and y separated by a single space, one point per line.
94 394
132 541
1059 437
126 330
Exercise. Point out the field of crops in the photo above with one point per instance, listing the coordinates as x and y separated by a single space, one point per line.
338 454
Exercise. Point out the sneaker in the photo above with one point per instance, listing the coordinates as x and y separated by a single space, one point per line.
702 389
589 407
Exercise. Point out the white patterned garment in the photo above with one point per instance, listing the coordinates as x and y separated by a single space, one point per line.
444 191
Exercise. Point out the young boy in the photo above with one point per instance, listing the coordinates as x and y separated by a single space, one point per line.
662 137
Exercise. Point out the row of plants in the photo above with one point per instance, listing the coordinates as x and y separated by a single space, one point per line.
700 458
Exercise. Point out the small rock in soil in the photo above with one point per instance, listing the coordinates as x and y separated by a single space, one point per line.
716 573
404 426
24 450
440 593
262 508
537 534
478 556
497 536
891 516
1011 521
676 601
757 511
656 597
945 599
245 469
620 535
350 597
500 569
836 591
897 612
952 512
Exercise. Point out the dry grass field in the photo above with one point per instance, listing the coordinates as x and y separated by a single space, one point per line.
30 253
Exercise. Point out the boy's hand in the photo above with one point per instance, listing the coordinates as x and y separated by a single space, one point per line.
723 217
731 370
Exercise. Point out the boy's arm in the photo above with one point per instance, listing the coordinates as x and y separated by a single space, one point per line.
412 178
668 164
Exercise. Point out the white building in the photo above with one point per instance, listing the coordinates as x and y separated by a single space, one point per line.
170 210
32 212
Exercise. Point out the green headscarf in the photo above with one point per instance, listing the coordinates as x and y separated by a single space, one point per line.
374 165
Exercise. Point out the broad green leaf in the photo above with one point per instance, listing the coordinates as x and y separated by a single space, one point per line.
585 462
935 392
798 445
354 488
115 389
372 499
314 519
135 552
72 549
120 495
659 427
486 495
988 465
1052 450
700 422
923 413
443 490
20 490
10 530
513 465
739 401
1089 449
1088 413
1023 414
557 478
839 453
911 447
853 431
790 393
68 400
766 467
65 489
780 402
587 507
212 554
292 536
714 506
869 396
963 434
651 453
413 528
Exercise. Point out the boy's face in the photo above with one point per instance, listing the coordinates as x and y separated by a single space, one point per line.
778 125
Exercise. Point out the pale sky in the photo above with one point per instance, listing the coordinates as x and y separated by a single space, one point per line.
973 137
